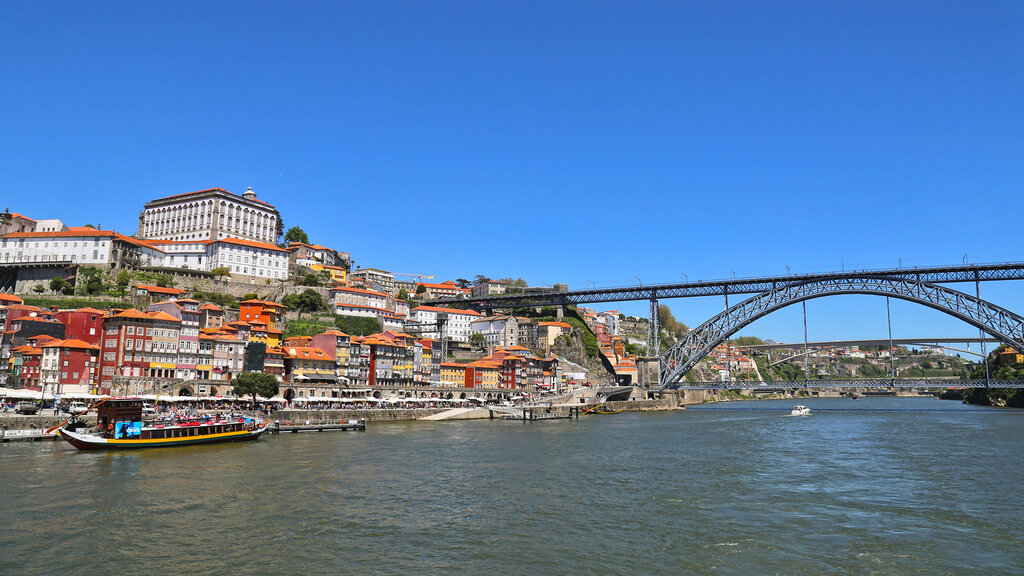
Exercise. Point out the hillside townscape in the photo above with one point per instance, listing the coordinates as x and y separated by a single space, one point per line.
210 286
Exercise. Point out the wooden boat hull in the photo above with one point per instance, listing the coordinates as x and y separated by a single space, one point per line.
90 442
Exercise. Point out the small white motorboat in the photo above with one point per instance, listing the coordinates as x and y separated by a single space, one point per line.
800 411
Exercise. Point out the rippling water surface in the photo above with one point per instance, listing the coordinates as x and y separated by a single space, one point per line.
872 486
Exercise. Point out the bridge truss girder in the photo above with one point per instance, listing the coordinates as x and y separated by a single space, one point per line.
934 275
684 355
850 384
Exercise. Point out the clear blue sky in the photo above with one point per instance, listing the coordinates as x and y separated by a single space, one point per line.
554 141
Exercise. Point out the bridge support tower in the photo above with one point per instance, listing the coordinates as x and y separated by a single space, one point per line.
654 331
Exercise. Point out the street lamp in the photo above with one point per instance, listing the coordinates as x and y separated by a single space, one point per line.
637 278
685 277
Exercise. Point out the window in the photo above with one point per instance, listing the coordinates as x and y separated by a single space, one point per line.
131 330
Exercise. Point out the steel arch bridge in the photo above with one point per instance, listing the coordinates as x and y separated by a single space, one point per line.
684 354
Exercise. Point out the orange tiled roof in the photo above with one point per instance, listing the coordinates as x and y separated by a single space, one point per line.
71 343
160 289
10 298
160 315
250 244
264 303
341 288
306 353
132 313
559 324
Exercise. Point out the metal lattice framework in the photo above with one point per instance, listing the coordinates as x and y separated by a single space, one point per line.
683 355
937 274
851 383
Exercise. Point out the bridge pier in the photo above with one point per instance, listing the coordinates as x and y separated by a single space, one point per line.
654 330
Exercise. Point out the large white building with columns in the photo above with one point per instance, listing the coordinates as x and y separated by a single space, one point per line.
209 215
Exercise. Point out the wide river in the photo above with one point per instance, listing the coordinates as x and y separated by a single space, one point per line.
872 486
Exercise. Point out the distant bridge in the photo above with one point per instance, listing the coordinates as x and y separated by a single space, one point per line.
850 383
677 361
933 275
918 285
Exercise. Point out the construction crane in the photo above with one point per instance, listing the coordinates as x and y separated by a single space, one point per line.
418 277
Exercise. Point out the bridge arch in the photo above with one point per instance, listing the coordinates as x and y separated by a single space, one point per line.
684 354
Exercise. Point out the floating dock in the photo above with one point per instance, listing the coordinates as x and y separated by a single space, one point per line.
532 413
27 435
316 426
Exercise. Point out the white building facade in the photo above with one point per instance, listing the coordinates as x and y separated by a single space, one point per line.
212 214
459 326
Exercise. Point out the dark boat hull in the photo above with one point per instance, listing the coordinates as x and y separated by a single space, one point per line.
90 442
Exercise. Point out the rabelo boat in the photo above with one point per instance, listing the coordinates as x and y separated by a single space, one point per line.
120 426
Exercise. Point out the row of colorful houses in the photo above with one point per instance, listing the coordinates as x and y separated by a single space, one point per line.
85 350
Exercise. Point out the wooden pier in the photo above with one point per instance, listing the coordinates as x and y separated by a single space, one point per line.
317 426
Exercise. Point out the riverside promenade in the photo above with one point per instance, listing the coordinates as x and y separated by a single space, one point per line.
21 427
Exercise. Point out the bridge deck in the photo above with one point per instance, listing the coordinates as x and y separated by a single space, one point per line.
757 285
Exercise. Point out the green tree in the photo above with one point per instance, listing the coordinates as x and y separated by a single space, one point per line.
357 325
462 282
420 289
90 280
255 383
514 285
295 234
124 277
291 301
478 340
311 279
311 301
165 281
58 284
669 323
403 295
480 279
221 271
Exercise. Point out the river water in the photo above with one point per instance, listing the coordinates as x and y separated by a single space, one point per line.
872 486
